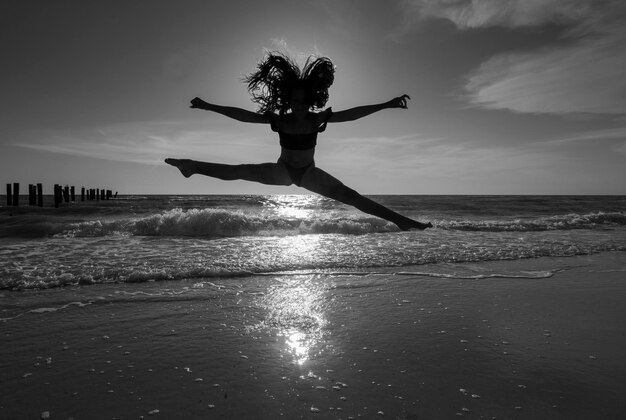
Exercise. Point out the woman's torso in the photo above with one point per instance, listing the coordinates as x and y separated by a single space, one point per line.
298 136
297 158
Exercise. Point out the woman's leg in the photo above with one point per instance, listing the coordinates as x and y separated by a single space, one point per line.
265 173
320 182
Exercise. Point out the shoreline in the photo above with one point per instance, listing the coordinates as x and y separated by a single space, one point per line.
323 346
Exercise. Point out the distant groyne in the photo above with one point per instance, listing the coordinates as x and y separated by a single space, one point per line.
62 194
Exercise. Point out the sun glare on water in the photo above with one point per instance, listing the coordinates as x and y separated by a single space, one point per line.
294 206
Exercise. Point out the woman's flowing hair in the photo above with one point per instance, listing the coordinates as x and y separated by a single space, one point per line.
276 77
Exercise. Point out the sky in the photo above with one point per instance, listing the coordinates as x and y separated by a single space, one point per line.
507 96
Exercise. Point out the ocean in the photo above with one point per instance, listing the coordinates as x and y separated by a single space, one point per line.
150 238
298 307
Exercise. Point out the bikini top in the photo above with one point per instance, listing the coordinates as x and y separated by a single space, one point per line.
300 141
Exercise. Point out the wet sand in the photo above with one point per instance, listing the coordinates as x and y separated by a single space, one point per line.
324 346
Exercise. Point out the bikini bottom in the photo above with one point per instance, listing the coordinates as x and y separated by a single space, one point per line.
296 174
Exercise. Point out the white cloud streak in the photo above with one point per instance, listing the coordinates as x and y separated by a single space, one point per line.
609 134
150 142
413 159
613 140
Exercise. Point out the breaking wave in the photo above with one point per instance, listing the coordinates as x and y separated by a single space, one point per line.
558 222
209 223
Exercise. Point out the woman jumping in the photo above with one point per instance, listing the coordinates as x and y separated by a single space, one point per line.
290 100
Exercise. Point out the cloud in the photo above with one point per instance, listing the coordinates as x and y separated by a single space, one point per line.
300 55
609 134
613 141
509 13
149 142
587 75
407 158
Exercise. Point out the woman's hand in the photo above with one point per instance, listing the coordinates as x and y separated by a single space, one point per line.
198 103
399 102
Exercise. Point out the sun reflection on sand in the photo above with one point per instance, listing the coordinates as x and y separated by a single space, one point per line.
295 310
299 345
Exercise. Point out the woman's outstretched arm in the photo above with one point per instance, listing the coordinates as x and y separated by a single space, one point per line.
231 112
363 111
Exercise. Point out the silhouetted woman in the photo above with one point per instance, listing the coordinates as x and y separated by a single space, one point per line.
290 99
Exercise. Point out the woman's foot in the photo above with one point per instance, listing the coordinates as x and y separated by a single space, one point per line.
185 166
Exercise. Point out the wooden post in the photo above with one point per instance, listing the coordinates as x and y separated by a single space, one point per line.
73 194
82 193
40 195
9 195
31 196
16 194
102 194
56 196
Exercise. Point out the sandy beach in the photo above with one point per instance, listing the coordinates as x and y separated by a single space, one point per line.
324 346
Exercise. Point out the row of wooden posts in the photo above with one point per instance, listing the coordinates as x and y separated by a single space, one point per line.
61 194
